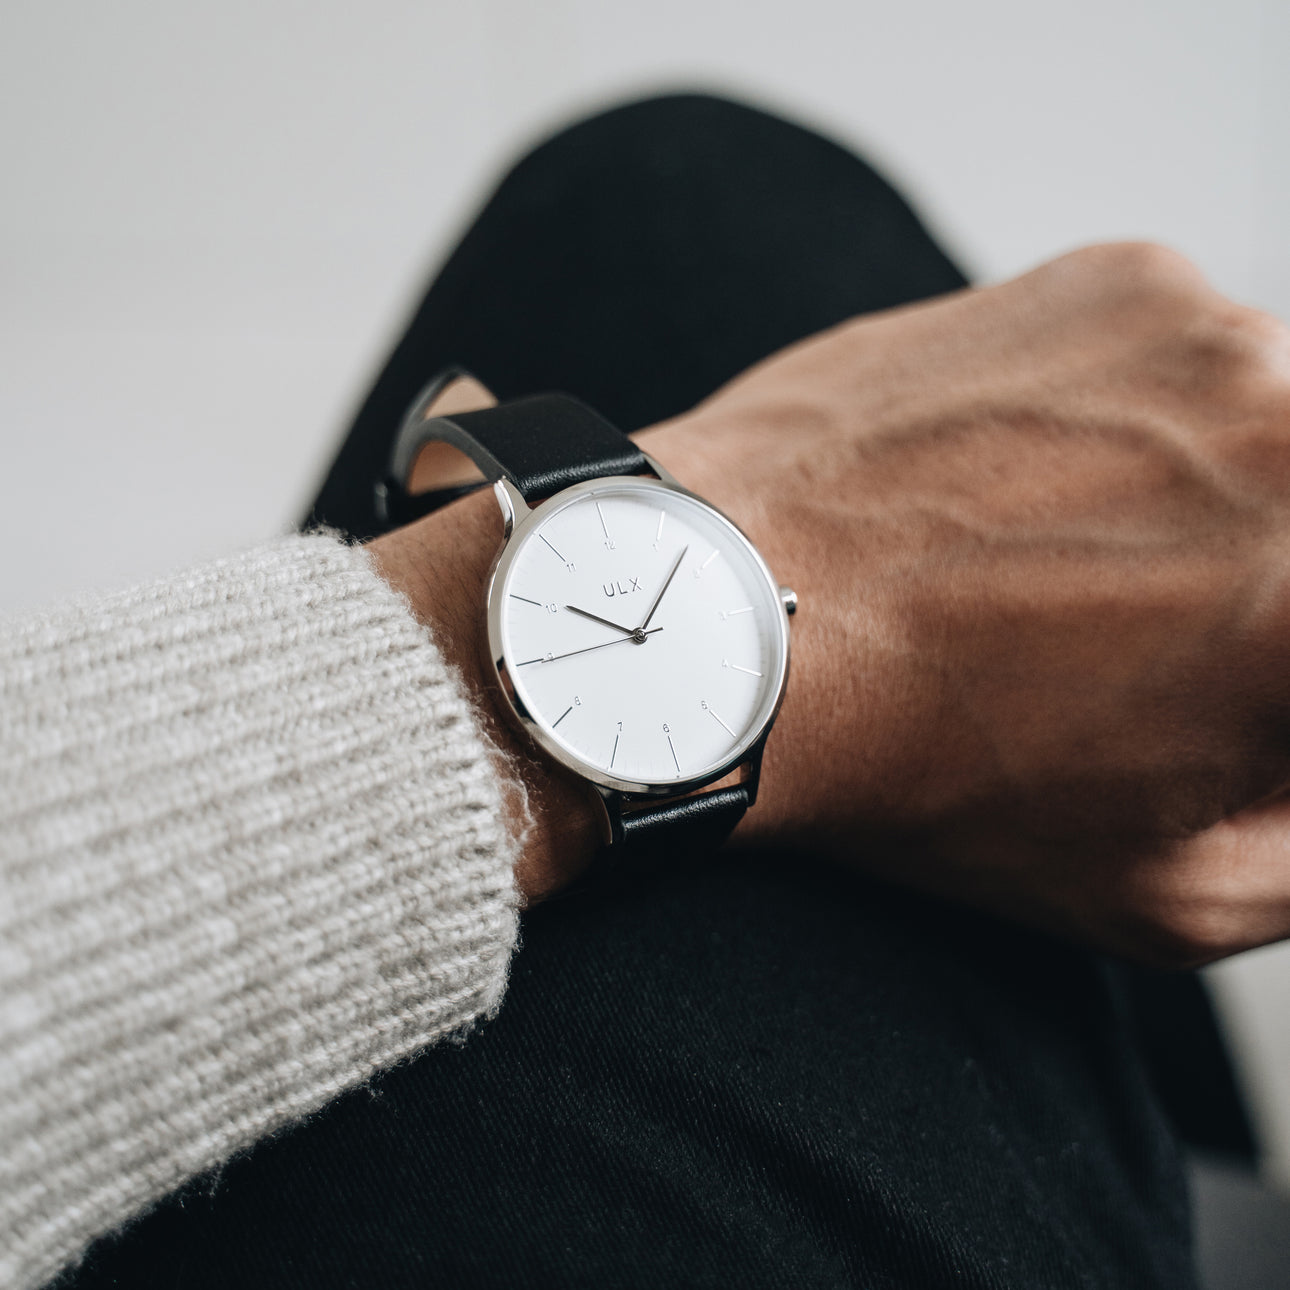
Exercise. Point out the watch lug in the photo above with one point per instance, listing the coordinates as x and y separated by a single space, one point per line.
612 802
665 475
507 682
752 770
511 503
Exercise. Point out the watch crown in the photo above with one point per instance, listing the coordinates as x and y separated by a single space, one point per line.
789 597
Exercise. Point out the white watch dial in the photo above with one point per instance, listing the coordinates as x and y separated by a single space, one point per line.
642 633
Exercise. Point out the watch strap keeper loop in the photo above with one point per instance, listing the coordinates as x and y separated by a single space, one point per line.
704 820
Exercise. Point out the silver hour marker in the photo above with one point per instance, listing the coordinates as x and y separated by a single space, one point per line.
709 560
658 535
562 716
526 600
544 539
614 754
730 613
721 723
725 662
676 763
603 526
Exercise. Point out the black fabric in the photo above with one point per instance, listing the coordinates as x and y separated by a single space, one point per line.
739 1070
541 443
640 259
1189 1063
754 1073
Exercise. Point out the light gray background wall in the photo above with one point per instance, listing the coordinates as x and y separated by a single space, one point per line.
216 214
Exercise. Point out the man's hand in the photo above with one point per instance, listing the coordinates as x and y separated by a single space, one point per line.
1041 536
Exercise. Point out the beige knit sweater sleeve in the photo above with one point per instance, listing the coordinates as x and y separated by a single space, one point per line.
251 852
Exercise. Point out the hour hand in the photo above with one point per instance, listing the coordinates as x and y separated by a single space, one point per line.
596 618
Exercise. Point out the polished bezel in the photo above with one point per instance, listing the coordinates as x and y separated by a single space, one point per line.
520 523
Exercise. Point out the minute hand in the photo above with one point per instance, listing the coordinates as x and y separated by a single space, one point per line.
666 584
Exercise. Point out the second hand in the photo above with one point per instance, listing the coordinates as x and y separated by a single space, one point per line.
551 658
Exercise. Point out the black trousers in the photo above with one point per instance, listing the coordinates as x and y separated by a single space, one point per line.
757 1070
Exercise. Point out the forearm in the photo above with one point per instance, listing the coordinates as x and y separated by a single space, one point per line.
252 850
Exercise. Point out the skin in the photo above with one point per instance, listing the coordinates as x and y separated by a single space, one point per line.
1041 537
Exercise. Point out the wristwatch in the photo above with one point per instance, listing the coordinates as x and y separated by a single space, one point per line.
637 635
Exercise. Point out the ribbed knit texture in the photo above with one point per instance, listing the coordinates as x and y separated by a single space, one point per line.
251 852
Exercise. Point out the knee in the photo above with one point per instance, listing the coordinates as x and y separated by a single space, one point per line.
690 138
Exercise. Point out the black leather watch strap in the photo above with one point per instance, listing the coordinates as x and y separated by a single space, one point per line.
703 821
542 444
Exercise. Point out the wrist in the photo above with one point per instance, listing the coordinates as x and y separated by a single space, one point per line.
850 670
441 565
695 449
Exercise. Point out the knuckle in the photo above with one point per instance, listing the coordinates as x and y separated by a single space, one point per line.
1140 293
1234 352
1139 270
1252 336
1149 263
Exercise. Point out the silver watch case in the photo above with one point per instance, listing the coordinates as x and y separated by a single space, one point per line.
519 519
